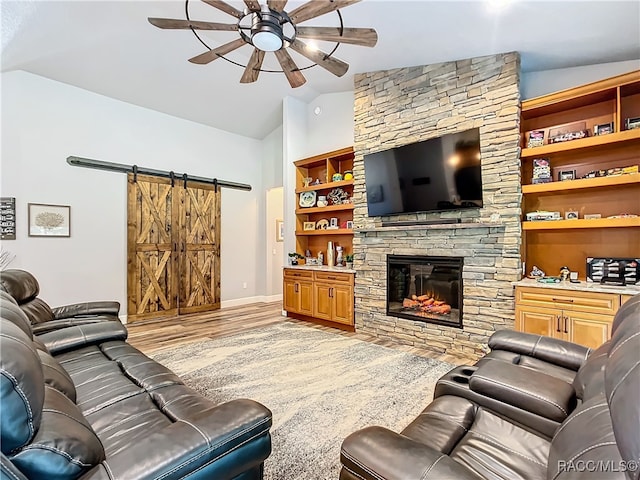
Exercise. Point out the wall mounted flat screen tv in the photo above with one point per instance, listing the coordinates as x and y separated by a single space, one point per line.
437 174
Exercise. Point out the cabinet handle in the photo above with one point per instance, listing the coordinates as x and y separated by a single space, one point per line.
331 292
566 323
331 278
565 300
295 288
557 323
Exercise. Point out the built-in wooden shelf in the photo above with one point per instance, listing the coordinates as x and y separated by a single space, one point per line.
582 183
582 223
325 186
329 208
581 144
337 231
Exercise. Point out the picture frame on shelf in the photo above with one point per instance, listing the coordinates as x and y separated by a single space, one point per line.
564 175
307 226
350 224
333 223
592 216
571 215
536 139
279 230
603 129
45 220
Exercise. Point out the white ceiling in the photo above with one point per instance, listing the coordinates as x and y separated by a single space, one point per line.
108 47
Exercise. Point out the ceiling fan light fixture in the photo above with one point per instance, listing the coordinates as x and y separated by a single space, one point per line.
266 32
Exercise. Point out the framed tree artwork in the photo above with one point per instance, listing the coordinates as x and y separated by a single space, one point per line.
49 220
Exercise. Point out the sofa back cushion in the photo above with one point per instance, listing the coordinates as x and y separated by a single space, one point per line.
37 310
13 313
21 387
19 284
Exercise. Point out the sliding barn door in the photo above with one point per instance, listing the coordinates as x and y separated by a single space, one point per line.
199 258
152 236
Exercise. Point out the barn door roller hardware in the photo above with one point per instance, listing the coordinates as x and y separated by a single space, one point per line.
122 168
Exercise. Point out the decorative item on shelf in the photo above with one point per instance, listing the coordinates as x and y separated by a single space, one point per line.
307 181
624 215
294 257
322 201
337 177
632 123
322 224
330 254
549 280
624 271
338 196
349 224
333 223
320 258
573 277
307 199
571 215
566 175
536 273
306 226
348 175
339 256
348 258
541 215
592 216
317 182
311 261
541 171
307 253
603 129
564 273
566 133
536 139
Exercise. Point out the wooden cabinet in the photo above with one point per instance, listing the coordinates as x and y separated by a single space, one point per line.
579 317
321 295
323 168
568 242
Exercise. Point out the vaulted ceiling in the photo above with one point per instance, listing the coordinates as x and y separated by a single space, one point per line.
108 47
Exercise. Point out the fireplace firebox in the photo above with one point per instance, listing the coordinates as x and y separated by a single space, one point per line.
425 289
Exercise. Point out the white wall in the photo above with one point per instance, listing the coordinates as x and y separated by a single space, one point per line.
535 84
44 121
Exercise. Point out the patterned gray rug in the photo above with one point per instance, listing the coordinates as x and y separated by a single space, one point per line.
320 386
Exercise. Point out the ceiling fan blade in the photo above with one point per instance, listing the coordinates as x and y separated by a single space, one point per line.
290 69
186 24
277 5
252 70
216 53
252 5
225 7
315 8
365 37
335 66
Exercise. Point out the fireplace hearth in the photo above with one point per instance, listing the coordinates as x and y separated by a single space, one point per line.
425 289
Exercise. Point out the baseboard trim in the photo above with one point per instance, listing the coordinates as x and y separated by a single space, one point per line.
248 300
123 319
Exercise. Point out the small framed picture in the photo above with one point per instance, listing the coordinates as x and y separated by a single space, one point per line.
603 129
571 215
49 220
566 175
279 230
309 226
350 224
536 138
592 216
333 222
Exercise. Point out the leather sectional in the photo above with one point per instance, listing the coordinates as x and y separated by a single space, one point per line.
79 402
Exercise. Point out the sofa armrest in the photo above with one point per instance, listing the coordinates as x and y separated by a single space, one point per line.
58 341
86 309
559 352
50 325
376 453
220 442
524 388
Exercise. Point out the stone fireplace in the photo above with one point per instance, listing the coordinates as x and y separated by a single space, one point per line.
401 106
425 288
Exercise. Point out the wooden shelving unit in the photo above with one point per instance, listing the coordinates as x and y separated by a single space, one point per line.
339 231
330 208
325 186
552 244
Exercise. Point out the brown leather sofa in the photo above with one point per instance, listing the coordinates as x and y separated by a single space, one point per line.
98 409
505 420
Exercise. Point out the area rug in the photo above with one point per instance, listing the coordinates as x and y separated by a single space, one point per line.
321 386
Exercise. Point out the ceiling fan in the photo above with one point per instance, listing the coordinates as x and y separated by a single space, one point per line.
269 28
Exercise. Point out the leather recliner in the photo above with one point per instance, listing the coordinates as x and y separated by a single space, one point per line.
24 289
102 410
466 437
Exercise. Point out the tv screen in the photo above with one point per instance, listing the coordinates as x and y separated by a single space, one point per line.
433 175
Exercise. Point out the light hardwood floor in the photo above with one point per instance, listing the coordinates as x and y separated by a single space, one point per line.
152 335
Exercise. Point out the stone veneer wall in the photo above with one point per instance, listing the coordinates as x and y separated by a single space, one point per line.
401 106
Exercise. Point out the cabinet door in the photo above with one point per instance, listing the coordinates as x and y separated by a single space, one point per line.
322 301
342 304
290 294
305 297
541 321
588 329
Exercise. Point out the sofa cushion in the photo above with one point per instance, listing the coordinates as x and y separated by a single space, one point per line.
21 285
37 311
21 387
13 313
56 376
65 445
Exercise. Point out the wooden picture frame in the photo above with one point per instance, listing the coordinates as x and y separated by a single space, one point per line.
279 230
306 226
46 220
